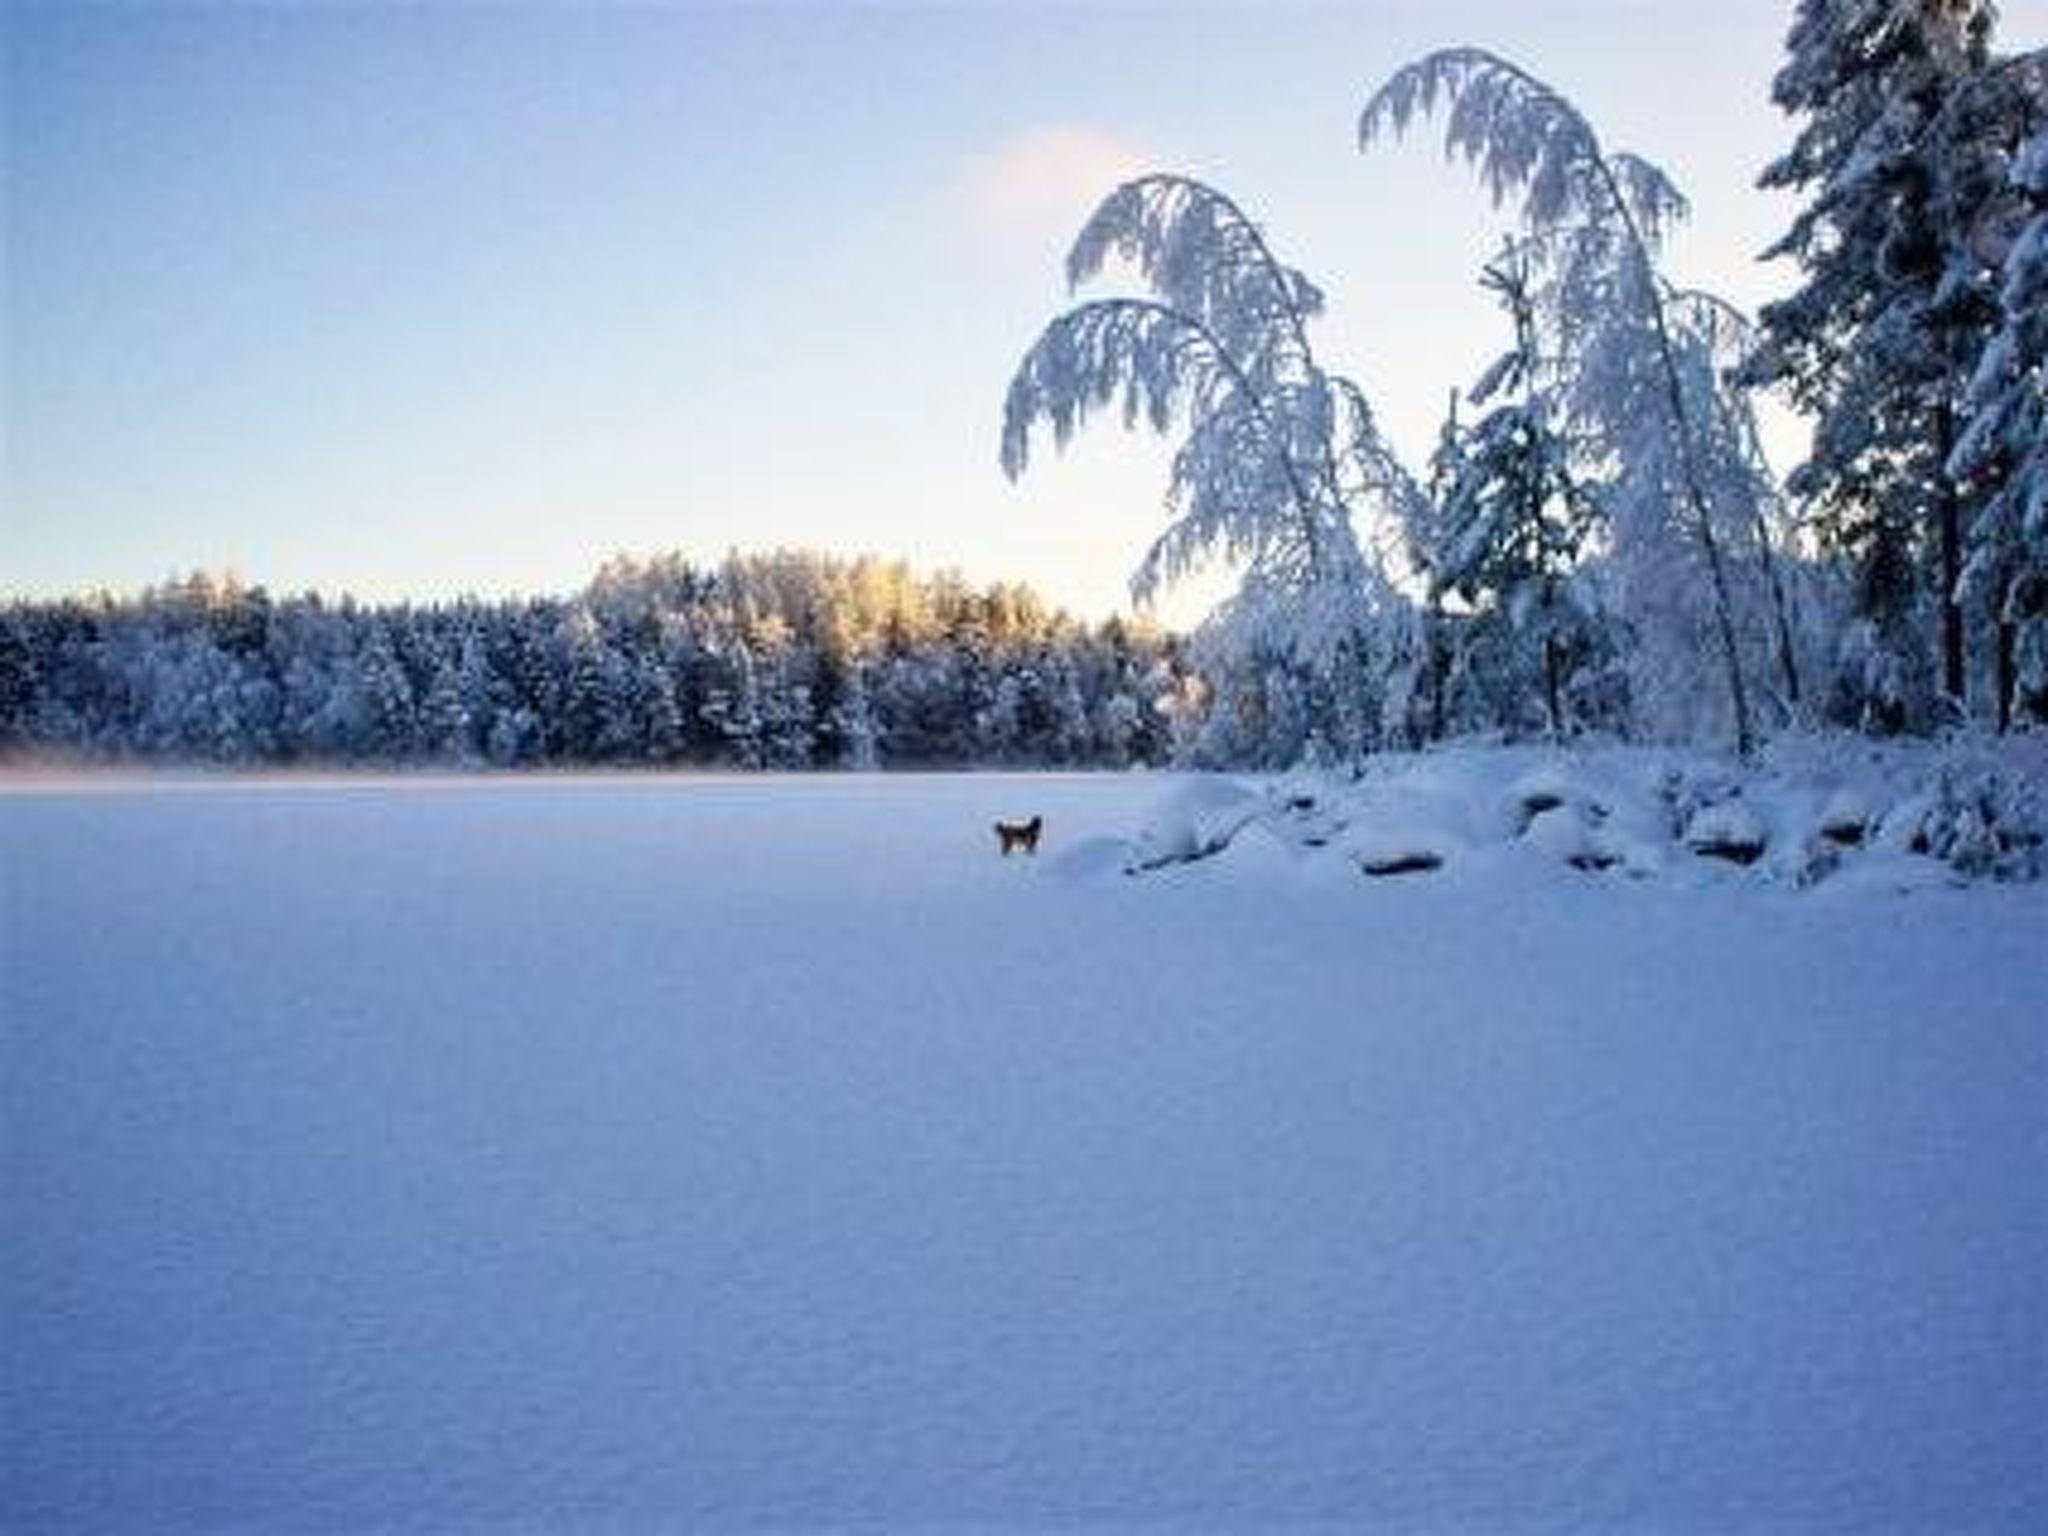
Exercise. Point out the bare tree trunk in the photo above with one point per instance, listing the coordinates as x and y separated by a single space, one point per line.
1703 530
1781 607
1695 494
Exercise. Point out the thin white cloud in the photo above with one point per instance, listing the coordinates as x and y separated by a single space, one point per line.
1045 179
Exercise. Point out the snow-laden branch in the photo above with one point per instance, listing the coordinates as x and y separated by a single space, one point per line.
1277 456
1525 140
1594 222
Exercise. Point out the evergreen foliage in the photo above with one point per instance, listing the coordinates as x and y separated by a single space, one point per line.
1910 124
1513 522
2003 457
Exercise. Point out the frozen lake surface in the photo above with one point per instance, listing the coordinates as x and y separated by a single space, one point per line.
646 1155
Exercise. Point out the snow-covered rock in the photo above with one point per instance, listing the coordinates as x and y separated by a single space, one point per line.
1195 820
1568 834
1306 808
1407 830
1846 818
1552 786
1728 829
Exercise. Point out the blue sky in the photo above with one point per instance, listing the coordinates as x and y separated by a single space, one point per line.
428 299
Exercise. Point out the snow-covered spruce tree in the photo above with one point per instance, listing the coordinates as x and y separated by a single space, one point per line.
1278 457
1909 125
1592 221
1513 522
2004 451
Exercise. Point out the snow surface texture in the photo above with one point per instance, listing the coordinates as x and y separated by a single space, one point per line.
657 1155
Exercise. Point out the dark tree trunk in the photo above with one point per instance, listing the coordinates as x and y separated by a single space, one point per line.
1551 701
1950 515
2006 680
1439 664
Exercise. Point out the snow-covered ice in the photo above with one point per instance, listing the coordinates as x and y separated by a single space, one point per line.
664 1155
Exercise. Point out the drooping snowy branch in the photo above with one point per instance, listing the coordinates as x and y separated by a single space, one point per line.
1527 143
1203 257
1278 458
1592 223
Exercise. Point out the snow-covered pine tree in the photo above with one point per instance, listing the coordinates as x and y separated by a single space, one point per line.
598 722
20 677
1909 124
1279 457
1592 221
855 730
655 690
1513 521
388 720
2004 452
447 733
732 704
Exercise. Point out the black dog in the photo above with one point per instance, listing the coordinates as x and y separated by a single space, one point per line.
1019 834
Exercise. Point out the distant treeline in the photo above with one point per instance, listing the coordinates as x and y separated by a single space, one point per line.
789 661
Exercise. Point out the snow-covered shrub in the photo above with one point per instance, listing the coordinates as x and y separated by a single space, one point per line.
1985 824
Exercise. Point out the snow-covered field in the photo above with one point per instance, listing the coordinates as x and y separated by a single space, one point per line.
672 1155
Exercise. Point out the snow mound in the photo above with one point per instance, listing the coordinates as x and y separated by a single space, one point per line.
1092 858
1550 786
1263 849
1846 818
1569 835
1194 821
1408 829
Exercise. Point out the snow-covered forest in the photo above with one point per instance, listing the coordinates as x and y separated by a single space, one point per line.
1598 543
784 661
